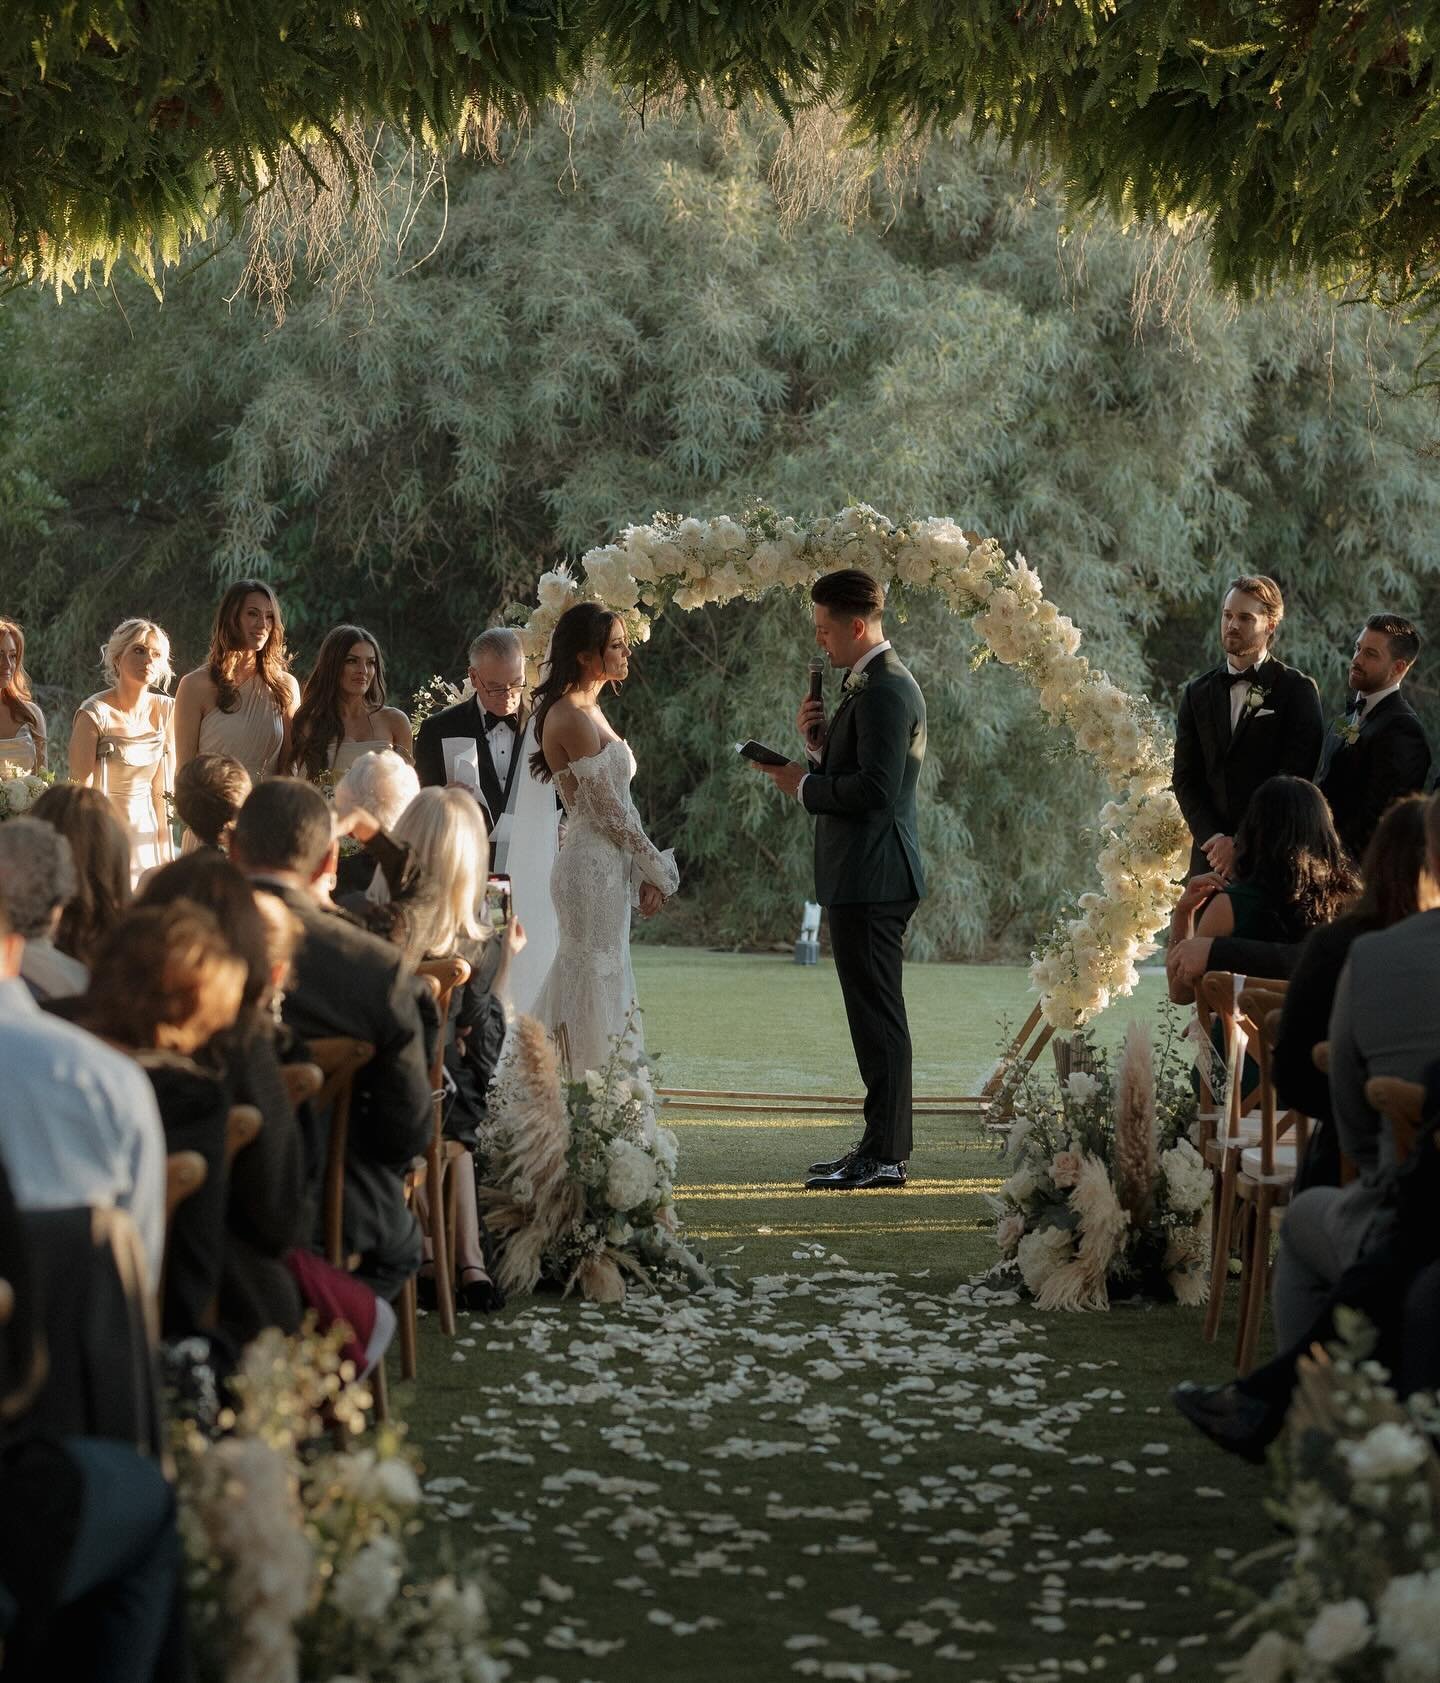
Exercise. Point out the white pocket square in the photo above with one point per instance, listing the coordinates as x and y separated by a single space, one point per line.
1265 713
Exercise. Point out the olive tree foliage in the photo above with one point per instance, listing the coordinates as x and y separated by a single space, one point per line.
617 323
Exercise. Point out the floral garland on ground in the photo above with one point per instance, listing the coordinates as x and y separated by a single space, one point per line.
1091 957
1360 1498
1107 1195
578 1186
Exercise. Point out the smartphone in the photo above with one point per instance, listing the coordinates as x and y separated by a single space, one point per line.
761 755
499 902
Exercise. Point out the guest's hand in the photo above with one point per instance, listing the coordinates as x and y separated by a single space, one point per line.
787 778
364 826
651 899
1187 961
515 937
810 722
1220 851
1199 889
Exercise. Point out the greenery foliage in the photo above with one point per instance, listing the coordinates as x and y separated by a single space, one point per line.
1304 135
615 324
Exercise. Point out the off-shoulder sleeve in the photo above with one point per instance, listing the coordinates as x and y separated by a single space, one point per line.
588 794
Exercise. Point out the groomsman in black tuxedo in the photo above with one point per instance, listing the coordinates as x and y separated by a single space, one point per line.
477 742
1249 718
860 784
1379 750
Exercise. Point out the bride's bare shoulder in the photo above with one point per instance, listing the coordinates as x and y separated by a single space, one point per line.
570 730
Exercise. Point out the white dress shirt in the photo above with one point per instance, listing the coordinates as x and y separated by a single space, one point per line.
813 754
501 743
78 1121
1368 703
1238 692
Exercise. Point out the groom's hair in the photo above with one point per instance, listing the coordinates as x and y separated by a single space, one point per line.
1267 593
850 593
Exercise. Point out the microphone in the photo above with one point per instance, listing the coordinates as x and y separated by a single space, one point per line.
817 677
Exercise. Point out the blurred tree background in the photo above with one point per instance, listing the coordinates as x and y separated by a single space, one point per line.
602 321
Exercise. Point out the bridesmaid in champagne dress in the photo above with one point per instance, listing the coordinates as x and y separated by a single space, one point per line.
342 712
22 724
121 741
241 702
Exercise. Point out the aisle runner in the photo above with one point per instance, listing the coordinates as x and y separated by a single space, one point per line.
831 1473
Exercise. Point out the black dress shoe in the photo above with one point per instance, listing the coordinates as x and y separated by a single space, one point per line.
860 1174
834 1166
1243 1425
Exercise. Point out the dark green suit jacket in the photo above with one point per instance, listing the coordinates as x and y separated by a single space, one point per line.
867 843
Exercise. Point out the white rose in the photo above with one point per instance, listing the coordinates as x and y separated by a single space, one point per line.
1021 1186
630 1180
395 1482
1082 1086
1340 1631
1406 1622
1391 1450
367 1585
667 1148
556 592
1187 1180
15 795
1041 1253
914 569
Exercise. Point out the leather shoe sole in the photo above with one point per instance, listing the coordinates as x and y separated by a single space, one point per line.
867 1177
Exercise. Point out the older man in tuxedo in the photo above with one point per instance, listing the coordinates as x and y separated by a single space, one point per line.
1249 718
1379 750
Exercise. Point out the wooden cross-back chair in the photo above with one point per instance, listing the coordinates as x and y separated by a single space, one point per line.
1402 1104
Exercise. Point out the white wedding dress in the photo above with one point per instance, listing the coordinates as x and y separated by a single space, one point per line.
590 988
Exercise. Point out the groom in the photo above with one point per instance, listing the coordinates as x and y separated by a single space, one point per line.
860 784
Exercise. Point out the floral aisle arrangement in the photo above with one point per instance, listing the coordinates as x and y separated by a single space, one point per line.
19 790
298 1539
1092 956
1360 1497
434 696
580 1178
1107 1195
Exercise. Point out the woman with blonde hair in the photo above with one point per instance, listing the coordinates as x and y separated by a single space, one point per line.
121 742
445 834
241 701
22 724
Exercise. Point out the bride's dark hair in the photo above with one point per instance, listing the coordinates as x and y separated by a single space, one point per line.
583 629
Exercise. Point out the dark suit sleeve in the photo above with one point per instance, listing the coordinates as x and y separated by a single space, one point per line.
1304 730
430 754
1275 959
397 1082
883 726
1191 786
1397 765
1305 1020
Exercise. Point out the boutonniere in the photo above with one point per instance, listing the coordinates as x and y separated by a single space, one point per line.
1254 698
1347 729
855 682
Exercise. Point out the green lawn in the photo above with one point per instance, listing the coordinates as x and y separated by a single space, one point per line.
855 1465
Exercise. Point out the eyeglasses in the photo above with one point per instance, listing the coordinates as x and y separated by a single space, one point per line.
498 692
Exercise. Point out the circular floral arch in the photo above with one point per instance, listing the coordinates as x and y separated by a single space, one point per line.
1088 959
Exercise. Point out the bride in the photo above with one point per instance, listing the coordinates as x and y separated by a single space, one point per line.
589 992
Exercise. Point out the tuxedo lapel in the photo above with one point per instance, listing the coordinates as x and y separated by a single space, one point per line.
1219 710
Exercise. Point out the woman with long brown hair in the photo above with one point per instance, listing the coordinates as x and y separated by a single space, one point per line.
22 724
241 701
342 712
100 848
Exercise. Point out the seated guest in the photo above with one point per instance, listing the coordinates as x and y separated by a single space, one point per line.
90 1563
37 879
1290 876
1378 751
274 1181
100 850
445 832
209 792
79 1124
348 982
383 785
1383 1023
1398 884
164 982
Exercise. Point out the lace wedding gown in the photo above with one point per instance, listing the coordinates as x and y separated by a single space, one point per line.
590 987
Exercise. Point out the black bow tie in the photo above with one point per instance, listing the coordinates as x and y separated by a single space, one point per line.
1357 706
1248 676
507 719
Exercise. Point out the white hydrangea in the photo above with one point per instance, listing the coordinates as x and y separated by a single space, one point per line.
368 1583
1040 1253
1390 1450
16 796
1408 1627
1082 1086
1187 1180
630 1179
1340 1631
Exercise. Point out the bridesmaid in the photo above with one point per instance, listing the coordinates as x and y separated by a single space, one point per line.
122 744
241 701
22 724
343 713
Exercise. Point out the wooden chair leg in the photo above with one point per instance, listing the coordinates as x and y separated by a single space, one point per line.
454 1168
1220 1262
1248 1233
409 1354
440 1252
1259 1282
380 1391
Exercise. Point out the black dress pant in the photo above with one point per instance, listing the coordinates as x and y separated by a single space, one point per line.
868 942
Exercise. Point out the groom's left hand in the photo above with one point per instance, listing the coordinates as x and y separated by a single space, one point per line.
787 778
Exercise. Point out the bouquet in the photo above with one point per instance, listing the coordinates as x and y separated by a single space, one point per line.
298 1540
19 790
433 696
581 1184
1360 1497
1108 1195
